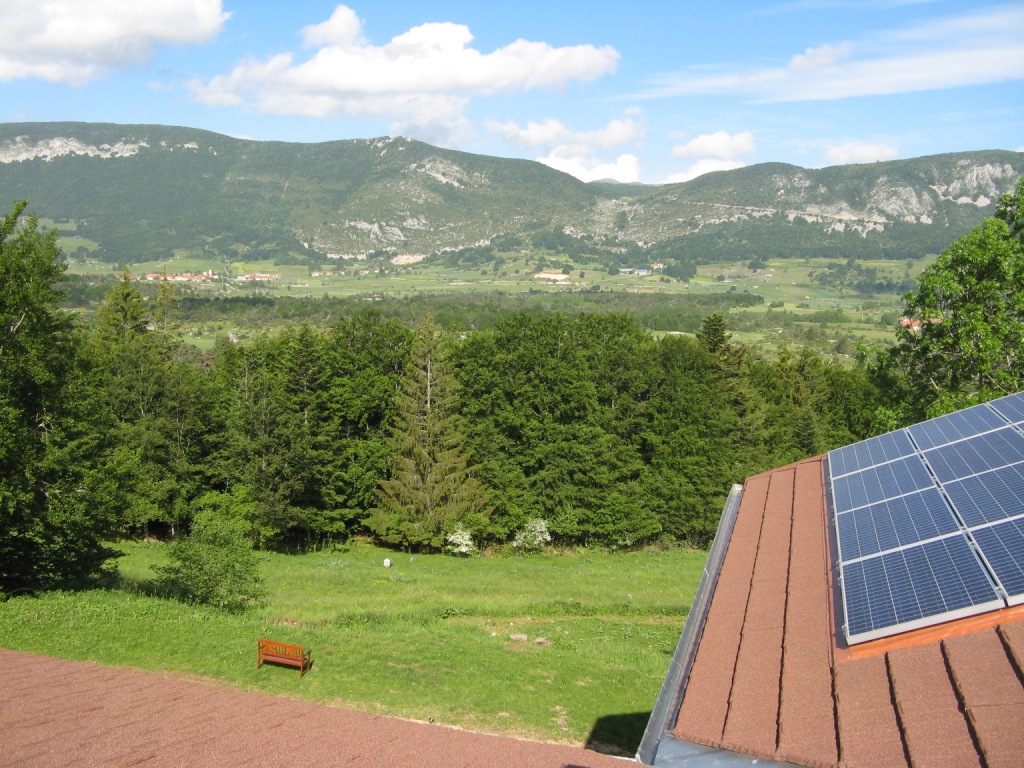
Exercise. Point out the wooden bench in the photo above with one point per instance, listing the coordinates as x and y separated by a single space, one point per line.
283 653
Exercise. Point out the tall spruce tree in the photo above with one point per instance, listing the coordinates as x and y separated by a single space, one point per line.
431 489
50 530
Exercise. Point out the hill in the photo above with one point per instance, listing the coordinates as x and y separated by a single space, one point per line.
142 192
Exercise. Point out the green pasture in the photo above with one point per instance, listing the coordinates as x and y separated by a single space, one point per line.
430 637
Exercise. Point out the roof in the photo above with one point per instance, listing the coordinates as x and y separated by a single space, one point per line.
772 678
62 713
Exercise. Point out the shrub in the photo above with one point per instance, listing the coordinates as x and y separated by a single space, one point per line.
215 565
460 542
533 536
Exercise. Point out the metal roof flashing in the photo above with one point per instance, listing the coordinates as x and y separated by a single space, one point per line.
666 706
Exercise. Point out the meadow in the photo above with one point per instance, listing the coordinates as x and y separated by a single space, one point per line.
429 637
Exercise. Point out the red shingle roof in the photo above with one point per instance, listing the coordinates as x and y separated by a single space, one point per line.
770 678
68 713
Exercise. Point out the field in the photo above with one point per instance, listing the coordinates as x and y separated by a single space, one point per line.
791 313
430 637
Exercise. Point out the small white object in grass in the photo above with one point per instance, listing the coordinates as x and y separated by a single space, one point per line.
387 562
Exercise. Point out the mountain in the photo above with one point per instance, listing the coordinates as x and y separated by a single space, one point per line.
142 192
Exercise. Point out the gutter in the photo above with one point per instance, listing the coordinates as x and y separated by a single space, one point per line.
666 706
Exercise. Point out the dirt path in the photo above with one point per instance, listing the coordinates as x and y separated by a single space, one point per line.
65 713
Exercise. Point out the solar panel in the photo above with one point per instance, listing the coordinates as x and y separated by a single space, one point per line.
894 523
977 454
955 426
929 520
1003 545
1012 407
868 453
987 498
916 586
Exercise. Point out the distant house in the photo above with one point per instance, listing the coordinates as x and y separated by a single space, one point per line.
914 324
181 277
557 277
257 277
769 668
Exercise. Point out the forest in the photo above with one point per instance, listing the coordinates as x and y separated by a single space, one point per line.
584 429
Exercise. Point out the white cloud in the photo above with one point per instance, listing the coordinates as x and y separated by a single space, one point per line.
718 145
416 78
718 151
860 152
974 49
549 133
576 152
75 42
586 166
705 165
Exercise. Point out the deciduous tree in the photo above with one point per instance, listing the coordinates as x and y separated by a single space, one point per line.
969 345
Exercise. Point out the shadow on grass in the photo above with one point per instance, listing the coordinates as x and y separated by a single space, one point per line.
618 735
147 587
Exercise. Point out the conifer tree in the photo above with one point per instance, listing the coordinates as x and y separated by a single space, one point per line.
431 488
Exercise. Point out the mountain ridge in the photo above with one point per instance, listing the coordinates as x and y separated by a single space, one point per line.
143 191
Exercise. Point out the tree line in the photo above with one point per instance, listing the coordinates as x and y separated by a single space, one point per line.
584 425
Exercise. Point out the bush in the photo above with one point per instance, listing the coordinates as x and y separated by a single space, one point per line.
215 565
460 542
533 536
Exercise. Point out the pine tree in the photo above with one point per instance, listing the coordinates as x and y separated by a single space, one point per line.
50 530
431 488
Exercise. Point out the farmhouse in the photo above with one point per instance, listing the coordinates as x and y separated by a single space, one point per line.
845 619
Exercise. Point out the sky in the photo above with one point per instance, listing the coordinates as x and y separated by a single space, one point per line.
654 91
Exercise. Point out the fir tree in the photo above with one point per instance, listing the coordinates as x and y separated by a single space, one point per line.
431 489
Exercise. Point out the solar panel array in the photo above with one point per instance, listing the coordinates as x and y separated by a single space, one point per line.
929 520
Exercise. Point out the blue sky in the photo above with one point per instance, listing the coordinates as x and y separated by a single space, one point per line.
637 91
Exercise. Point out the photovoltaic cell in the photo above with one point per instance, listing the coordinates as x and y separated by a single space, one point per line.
869 453
916 586
930 520
885 481
1003 545
977 454
955 426
995 496
894 523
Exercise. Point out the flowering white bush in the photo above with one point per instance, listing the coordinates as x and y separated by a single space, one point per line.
460 542
533 536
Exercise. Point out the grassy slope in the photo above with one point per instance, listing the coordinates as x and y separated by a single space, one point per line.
428 637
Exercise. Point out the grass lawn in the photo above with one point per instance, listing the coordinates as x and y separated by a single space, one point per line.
429 637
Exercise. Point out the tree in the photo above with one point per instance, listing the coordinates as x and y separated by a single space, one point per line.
1010 209
712 333
431 489
969 345
155 405
215 564
50 534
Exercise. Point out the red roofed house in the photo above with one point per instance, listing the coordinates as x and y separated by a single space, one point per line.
763 672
